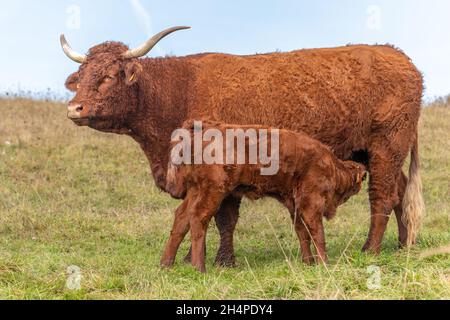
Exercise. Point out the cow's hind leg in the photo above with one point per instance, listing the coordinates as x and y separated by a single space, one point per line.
398 209
385 168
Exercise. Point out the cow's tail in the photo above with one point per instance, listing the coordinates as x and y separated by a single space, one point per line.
413 203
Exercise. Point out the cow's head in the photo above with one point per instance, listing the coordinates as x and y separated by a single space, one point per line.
106 85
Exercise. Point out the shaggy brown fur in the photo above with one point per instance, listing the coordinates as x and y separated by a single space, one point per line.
362 101
311 183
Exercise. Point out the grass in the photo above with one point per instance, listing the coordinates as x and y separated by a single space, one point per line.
73 196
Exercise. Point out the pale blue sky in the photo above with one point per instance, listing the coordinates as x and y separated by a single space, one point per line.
31 56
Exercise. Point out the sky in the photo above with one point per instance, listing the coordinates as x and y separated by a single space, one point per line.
31 57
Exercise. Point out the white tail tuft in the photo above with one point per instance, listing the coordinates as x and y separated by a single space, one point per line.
413 204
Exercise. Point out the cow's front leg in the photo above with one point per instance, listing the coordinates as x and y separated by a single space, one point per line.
226 221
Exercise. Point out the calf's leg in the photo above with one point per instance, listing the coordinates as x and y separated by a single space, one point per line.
226 219
318 235
201 213
179 231
305 239
199 225
310 207
314 223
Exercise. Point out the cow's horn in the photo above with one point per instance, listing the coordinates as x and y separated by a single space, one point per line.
80 58
150 44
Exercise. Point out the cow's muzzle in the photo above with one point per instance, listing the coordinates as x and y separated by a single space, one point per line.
78 114
74 111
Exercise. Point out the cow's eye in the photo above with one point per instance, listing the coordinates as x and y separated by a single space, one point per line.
108 79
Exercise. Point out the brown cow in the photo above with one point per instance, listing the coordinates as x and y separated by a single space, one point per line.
362 101
310 181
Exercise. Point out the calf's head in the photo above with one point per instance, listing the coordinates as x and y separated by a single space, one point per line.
351 177
106 84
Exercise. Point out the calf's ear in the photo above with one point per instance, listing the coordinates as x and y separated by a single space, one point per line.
132 72
72 82
361 177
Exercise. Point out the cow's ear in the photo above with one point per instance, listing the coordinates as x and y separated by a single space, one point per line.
72 82
132 72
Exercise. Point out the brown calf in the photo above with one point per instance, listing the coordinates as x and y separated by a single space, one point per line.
311 182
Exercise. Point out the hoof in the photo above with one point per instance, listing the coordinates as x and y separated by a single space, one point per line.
225 261
370 248
188 258
166 264
309 261
200 269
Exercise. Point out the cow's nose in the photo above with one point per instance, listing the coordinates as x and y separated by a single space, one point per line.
74 111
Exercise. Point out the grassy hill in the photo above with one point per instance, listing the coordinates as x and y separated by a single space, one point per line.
72 196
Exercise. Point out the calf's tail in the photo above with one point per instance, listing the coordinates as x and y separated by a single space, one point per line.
413 203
